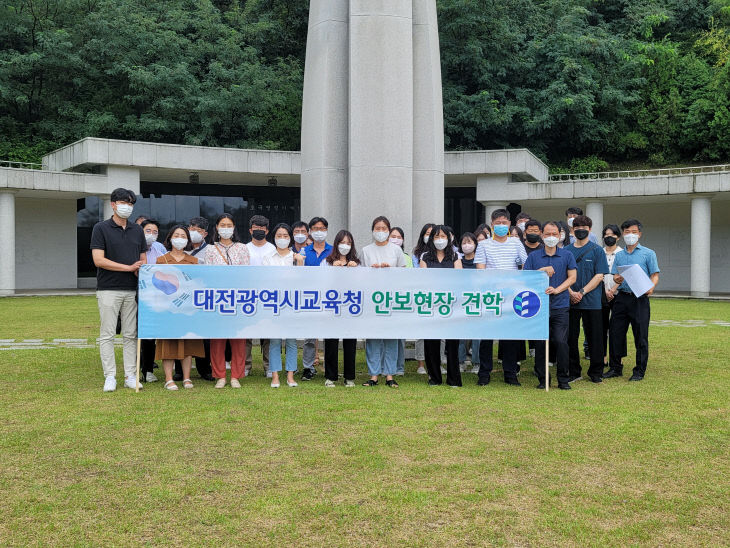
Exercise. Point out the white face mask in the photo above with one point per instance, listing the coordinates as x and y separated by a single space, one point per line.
570 221
440 243
344 249
397 241
551 241
282 243
468 248
179 243
521 226
562 237
300 238
631 239
196 237
380 237
319 235
149 238
225 233
425 239
124 210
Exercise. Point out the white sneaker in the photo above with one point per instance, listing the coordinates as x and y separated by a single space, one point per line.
462 367
235 383
329 384
228 365
291 384
532 352
467 363
110 383
475 370
268 374
150 377
275 385
421 370
350 384
220 383
131 382
443 371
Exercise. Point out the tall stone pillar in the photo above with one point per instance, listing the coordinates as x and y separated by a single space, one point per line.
7 229
701 250
324 190
489 208
380 114
106 205
594 210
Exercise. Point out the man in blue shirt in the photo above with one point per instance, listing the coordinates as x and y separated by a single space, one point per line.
585 300
628 309
559 265
313 255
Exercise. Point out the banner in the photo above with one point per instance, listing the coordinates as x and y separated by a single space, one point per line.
217 302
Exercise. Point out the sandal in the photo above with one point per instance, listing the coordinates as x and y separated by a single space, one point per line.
391 383
370 382
187 383
170 385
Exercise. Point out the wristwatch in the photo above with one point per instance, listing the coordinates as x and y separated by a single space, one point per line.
582 290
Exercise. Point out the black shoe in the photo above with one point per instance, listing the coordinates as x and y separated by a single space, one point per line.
541 386
207 377
636 378
512 382
177 377
308 374
485 381
391 383
433 383
564 386
574 378
370 382
611 373
596 379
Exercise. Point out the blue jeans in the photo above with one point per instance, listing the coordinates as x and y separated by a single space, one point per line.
474 351
401 362
275 355
381 356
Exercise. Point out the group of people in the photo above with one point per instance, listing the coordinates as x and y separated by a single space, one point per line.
585 289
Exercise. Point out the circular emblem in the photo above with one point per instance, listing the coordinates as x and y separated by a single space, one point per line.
526 304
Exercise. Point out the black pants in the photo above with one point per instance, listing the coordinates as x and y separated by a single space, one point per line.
432 351
559 322
592 326
202 365
331 358
510 350
635 311
147 357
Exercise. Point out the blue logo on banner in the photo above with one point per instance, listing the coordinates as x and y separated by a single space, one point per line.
526 304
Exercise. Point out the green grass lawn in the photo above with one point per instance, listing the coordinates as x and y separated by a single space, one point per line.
613 464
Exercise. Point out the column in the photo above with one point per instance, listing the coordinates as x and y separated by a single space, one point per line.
324 190
701 250
428 121
594 210
7 229
490 207
106 204
380 115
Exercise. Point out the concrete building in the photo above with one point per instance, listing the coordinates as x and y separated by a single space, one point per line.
372 144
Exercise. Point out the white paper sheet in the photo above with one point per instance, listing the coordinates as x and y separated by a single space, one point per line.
637 279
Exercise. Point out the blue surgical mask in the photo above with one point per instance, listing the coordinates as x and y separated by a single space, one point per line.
501 230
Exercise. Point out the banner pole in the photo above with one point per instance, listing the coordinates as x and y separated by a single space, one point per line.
139 351
547 357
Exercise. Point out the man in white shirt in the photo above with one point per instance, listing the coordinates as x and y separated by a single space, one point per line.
258 248
504 253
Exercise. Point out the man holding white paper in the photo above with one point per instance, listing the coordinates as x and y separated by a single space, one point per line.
637 271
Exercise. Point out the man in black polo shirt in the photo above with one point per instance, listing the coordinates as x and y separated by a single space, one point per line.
118 249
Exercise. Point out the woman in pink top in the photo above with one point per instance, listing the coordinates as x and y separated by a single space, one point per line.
227 249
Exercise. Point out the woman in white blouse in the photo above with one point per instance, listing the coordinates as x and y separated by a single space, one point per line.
283 256
227 249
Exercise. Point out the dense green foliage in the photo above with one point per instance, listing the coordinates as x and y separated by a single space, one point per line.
580 82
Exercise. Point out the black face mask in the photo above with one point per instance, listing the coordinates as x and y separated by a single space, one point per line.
258 234
532 238
581 234
610 241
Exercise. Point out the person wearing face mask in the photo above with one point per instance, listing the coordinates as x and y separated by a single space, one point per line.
440 254
521 223
611 235
168 350
559 265
468 248
533 236
504 253
628 309
381 354
418 251
564 238
198 228
344 255
227 250
570 214
258 248
118 249
397 235
283 256
314 254
300 230
585 300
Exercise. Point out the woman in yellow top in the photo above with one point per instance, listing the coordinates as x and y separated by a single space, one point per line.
169 350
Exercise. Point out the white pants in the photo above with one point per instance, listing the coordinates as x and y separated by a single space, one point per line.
112 304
